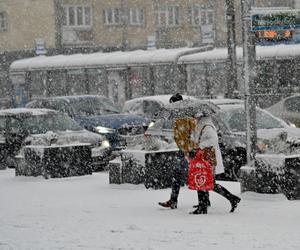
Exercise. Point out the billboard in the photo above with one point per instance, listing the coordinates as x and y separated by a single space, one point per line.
274 19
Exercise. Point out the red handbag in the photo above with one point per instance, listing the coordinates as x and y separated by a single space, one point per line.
200 175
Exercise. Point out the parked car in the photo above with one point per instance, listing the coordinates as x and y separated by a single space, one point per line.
148 106
277 159
97 114
288 109
274 133
23 126
159 135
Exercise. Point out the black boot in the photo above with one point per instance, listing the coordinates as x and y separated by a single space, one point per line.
168 204
200 210
203 200
234 200
208 204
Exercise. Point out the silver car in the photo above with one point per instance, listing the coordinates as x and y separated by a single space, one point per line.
149 106
288 109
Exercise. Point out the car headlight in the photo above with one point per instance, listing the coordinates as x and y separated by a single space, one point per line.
151 124
105 144
292 124
104 130
262 146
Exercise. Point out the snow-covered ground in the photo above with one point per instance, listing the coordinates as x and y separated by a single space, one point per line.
89 213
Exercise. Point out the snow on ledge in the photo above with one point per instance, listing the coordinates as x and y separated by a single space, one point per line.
100 59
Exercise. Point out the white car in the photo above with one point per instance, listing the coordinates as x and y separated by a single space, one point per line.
288 109
272 131
149 106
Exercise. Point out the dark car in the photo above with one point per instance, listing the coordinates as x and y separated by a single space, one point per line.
23 126
97 114
232 145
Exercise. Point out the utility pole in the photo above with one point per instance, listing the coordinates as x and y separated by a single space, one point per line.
248 72
58 10
231 46
124 23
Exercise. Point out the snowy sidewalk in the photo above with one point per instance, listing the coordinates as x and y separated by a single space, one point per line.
88 213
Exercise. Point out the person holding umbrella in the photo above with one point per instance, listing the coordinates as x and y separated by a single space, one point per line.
205 136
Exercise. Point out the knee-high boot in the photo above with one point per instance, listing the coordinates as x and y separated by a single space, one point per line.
233 199
202 203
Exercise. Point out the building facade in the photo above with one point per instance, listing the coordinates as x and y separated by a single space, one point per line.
111 24
34 27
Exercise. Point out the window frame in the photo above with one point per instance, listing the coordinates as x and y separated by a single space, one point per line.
171 13
3 21
139 14
66 12
114 13
203 14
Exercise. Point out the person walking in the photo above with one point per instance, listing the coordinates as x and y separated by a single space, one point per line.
205 137
182 130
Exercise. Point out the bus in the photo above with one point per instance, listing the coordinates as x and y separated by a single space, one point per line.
277 72
117 75
123 75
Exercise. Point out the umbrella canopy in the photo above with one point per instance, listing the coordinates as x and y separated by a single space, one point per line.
186 108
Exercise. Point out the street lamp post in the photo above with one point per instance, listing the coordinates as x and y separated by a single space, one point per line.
248 73
231 46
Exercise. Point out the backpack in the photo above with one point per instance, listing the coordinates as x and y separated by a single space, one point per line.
182 128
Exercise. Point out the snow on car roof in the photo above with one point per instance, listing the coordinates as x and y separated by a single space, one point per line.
19 111
232 106
113 59
164 99
225 101
262 52
71 97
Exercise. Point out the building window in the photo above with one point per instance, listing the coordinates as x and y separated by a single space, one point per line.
136 16
77 16
112 16
167 16
202 16
3 21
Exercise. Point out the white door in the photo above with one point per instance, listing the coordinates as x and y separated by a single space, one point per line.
116 87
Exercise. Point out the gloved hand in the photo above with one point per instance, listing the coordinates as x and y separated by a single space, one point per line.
192 153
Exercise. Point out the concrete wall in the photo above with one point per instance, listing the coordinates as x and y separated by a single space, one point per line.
27 20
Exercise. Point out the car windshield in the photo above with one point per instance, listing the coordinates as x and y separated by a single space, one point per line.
40 124
56 104
93 106
236 119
